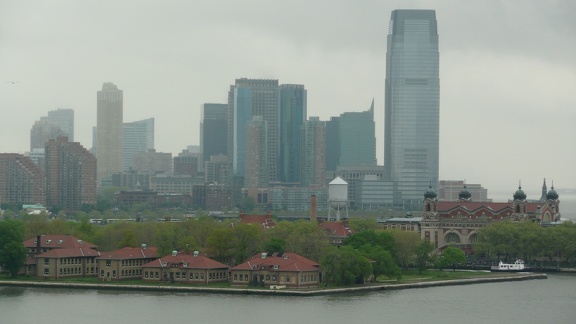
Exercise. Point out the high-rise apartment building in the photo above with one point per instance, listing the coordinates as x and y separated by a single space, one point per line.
412 103
110 134
256 173
293 112
70 175
213 130
313 152
64 118
332 144
21 180
254 97
138 137
357 138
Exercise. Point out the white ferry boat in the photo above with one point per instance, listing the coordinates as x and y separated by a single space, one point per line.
518 265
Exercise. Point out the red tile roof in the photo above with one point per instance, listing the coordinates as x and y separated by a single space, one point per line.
58 242
265 221
130 253
70 253
185 261
336 229
278 262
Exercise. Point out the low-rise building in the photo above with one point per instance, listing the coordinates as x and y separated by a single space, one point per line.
288 270
185 268
125 263
67 263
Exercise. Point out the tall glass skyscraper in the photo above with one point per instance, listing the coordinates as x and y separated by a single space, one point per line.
292 100
213 131
357 138
412 104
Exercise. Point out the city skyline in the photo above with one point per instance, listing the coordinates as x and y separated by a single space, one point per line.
495 77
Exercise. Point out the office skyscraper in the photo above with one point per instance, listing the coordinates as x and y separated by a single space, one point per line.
138 137
412 103
213 130
254 97
357 138
292 105
109 151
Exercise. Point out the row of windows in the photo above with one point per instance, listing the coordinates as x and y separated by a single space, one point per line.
71 271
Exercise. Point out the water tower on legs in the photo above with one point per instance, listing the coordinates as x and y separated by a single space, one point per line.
338 197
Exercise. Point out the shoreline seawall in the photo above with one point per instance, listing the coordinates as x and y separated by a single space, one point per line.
281 292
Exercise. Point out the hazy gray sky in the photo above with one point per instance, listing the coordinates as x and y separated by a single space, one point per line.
507 71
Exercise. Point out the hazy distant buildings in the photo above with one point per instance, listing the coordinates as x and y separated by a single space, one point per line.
42 131
213 130
70 175
332 144
313 152
217 170
293 112
138 137
186 165
109 130
59 122
152 162
449 190
412 91
64 118
21 180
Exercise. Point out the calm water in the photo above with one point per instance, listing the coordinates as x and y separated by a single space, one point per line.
535 301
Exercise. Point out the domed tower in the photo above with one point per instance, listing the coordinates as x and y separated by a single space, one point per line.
430 204
464 195
519 204
553 202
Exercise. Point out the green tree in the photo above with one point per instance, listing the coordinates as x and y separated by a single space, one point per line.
451 256
405 247
363 224
345 266
274 245
424 255
246 241
384 264
220 243
12 251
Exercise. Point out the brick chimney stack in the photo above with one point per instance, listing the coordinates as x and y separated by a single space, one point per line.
313 217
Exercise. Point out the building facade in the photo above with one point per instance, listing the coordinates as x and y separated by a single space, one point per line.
412 103
21 180
109 130
125 263
70 175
